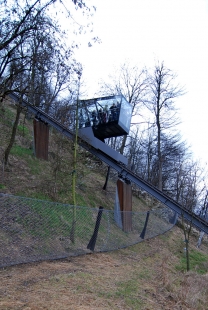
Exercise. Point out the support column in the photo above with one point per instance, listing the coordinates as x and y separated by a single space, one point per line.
125 200
41 139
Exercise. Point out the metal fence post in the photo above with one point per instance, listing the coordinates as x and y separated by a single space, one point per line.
174 218
91 244
145 226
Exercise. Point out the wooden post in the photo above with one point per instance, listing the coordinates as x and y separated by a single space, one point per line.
41 139
125 201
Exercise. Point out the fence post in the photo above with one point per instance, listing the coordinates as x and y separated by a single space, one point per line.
174 218
145 226
106 180
91 244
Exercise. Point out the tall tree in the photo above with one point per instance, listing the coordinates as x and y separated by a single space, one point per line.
204 214
131 82
33 60
163 92
18 22
192 191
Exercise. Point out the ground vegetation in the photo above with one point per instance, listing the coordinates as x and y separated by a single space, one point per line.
149 275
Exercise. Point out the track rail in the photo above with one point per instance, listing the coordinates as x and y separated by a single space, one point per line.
122 170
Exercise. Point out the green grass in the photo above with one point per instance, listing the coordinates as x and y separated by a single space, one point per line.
198 262
27 154
44 219
48 220
128 290
80 200
37 195
21 151
144 274
92 201
33 164
23 130
7 117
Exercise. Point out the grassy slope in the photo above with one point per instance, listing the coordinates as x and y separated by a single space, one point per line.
28 176
149 275
144 276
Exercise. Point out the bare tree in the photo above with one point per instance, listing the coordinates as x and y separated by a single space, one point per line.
33 61
191 193
162 93
204 214
132 84
18 23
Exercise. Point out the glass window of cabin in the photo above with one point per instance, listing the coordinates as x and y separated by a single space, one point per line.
125 115
107 110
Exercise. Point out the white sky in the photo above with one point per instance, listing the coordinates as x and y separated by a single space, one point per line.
144 31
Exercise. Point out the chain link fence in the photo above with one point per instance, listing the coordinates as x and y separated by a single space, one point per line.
33 230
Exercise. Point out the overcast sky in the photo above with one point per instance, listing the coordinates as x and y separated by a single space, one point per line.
145 31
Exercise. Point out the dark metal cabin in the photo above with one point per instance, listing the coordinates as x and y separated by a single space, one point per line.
107 116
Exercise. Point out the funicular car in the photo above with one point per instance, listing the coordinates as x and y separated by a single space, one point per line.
107 116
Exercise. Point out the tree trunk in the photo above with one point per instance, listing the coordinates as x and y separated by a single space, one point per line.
187 255
159 162
159 136
123 144
74 174
13 135
187 232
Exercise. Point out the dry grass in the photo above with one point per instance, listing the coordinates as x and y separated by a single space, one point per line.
143 276
140 277
30 177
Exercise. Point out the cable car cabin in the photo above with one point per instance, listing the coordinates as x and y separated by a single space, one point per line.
107 116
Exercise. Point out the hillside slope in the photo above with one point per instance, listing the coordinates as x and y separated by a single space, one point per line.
145 276
28 176
149 275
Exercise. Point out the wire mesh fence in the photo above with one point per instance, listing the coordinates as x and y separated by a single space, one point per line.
33 230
